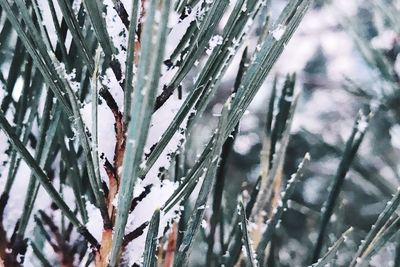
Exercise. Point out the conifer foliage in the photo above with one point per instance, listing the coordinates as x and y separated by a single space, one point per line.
103 165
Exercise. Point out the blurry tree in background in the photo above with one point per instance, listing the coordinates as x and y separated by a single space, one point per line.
361 40
193 133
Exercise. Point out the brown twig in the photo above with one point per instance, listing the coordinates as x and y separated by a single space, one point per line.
170 251
113 188
134 234
101 259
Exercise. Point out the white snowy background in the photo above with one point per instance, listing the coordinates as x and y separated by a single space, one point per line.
319 32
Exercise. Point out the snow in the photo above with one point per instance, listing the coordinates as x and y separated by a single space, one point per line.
48 20
143 212
69 77
215 41
76 4
18 87
362 124
15 203
160 121
204 224
308 39
3 138
278 32
106 133
118 33
3 147
179 29
94 224
395 136
43 201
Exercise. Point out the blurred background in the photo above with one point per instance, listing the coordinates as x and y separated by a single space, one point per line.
345 56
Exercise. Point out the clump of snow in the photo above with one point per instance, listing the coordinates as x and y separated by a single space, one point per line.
106 134
160 192
362 124
214 42
94 225
204 224
278 32
244 7
69 77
